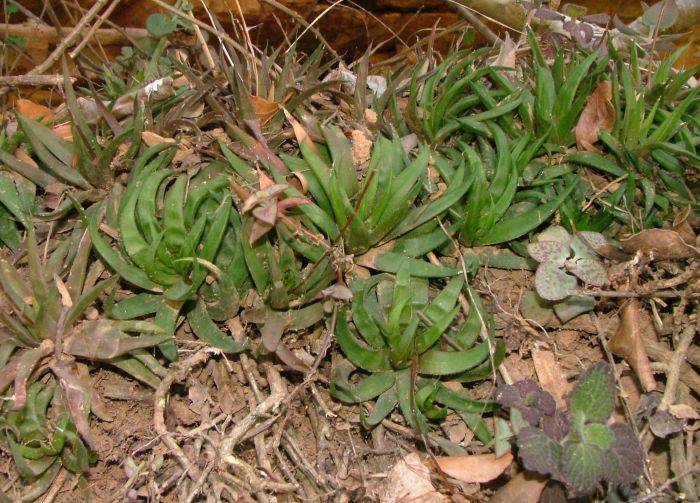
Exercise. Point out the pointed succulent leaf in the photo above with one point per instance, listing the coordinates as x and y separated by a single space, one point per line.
594 394
364 390
552 283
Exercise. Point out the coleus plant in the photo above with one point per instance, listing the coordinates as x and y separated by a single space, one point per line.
177 237
580 448
563 260
404 345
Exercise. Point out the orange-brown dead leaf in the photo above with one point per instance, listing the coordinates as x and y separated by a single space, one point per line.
628 342
150 139
598 114
64 131
22 155
551 376
663 243
476 468
33 110
506 56
525 487
266 109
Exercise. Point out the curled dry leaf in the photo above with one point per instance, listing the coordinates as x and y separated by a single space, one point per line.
628 342
683 227
598 114
663 243
409 480
265 109
150 139
77 393
476 468
525 487
506 57
33 110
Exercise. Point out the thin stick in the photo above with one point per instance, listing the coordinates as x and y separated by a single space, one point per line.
94 28
69 38
32 80
307 26
675 365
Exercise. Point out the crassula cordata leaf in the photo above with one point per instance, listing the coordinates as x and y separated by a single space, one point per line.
552 283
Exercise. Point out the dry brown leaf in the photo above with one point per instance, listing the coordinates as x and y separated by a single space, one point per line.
663 243
683 411
551 376
150 139
525 487
409 480
21 155
64 131
683 227
476 468
33 110
265 109
598 114
506 57
76 390
628 342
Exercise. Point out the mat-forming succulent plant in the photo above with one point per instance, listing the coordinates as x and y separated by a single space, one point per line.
404 343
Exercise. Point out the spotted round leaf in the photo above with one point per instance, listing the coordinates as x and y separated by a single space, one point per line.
588 270
553 283
550 252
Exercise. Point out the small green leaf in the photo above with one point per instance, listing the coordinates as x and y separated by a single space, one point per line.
598 434
582 466
594 394
159 25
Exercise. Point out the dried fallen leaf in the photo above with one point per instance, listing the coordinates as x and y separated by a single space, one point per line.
64 130
265 109
22 155
76 391
150 139
33 110
476 468
506 57
551 376
409 480
663 243
683 227
598 114
628 342
683 411
525 487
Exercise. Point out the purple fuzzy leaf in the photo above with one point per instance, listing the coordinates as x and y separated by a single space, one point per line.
623 463
529 398
538 452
